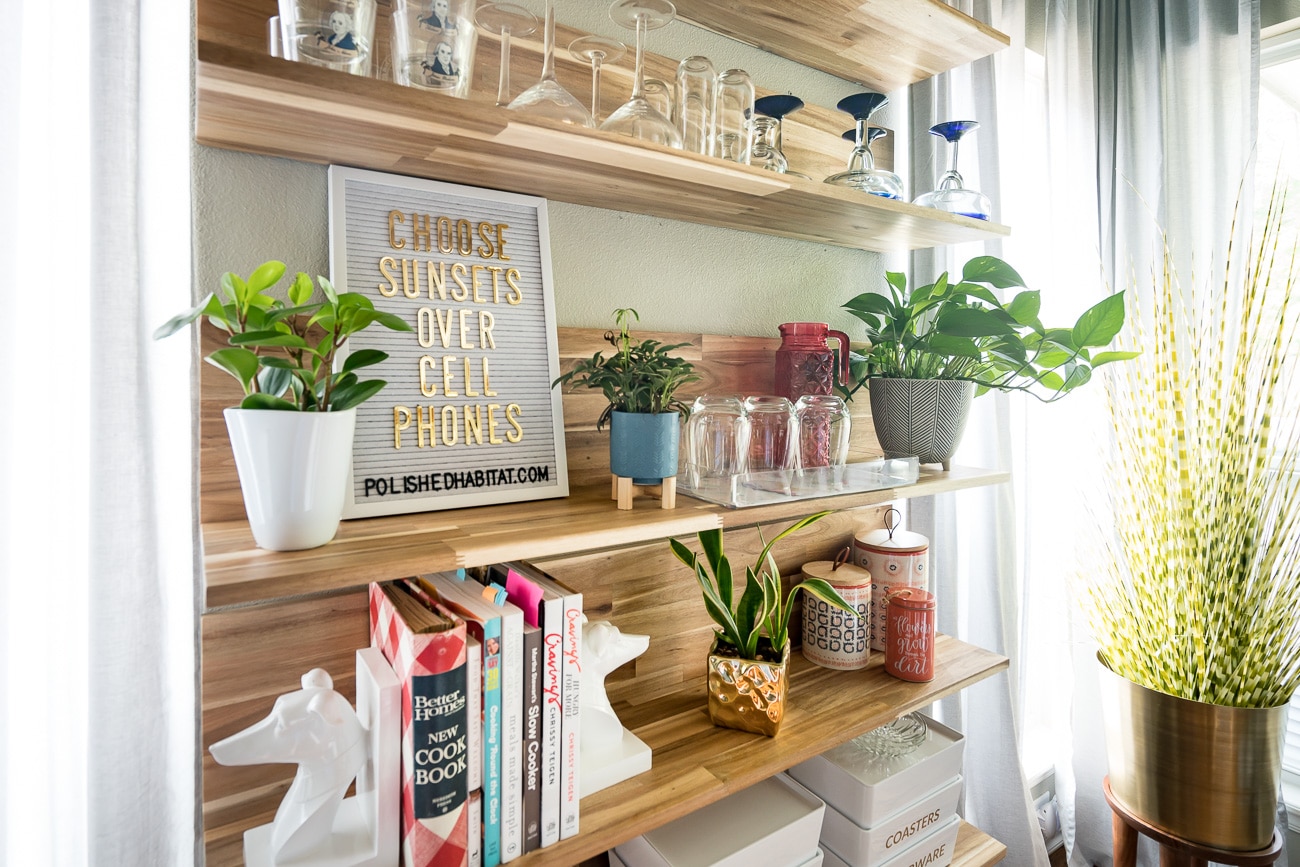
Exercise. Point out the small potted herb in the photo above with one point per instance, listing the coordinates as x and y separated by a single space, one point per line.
751 648
934 349
292 432
639 379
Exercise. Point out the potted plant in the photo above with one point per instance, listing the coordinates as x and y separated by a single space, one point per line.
639 379
748 662
936 348
1195 593
292 433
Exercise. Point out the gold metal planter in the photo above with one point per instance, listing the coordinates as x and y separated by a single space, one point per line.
1203 772
747 694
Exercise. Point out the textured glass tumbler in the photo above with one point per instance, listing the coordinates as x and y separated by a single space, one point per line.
717 443
693 107
733 103
773 434
336 34
823 431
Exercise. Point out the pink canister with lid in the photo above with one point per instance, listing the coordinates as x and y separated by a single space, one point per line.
895 558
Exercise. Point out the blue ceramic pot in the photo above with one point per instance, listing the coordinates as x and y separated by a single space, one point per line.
643 445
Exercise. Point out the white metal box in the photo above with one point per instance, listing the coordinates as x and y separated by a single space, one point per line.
871 846
933 850
868 788
775 822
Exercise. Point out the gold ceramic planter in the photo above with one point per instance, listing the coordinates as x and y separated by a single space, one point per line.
1203 772
747 694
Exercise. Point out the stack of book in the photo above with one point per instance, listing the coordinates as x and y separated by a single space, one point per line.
490 665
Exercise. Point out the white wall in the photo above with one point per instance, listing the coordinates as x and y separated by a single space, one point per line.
679 276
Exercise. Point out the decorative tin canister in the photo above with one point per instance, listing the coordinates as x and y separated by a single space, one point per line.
895 558
833 638
909 651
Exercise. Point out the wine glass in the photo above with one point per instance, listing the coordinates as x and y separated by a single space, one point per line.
637 117
765 125
548 98
862 173
596 50
506 20
952 195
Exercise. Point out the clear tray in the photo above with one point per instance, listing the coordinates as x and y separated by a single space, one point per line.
778 486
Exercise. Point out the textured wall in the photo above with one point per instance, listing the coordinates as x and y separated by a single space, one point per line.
679 276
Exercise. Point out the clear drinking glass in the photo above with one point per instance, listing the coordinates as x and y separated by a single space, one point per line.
862 173
433 46
637 117
765 131
733 104
548 98
952 195
336 34
596 51
505 21
717 443
824 427
773 434
693 107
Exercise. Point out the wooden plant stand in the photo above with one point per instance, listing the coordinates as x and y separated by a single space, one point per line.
625 491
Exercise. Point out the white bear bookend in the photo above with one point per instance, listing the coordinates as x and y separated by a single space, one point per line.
610 753
332 744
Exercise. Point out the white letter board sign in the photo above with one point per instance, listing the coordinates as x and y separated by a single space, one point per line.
468 417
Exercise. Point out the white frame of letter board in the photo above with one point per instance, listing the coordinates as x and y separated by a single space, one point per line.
432 195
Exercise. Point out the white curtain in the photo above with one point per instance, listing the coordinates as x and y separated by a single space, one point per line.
97 577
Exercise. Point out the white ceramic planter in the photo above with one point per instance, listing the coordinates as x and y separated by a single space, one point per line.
293 471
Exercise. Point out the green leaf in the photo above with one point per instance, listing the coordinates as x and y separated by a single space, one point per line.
300 290
870 302
327 288
393 321
973 291
962 347
1100 323
824 591
348 396
1025 306
234 288
269 338
209 306
265 276
971 322
682 553
991 270
274 380
266 401
242 364
750 610
1109 357
1051 379
898 280
711 541
363 358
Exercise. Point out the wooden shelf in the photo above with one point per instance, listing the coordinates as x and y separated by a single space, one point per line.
378 549
884 44
976 849
697 763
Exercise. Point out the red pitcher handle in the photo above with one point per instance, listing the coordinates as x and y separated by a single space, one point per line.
844 355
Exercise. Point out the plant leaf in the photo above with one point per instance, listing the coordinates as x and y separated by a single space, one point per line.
1025 306
209 306
265 276
363 358
269 338
1108 357
266 401
242 364
991 270
971 322
1100 323
348 396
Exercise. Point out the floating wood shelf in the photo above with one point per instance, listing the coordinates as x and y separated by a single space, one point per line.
379 549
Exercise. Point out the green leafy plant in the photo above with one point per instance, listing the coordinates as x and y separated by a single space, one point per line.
283 353
636 377
1196 590
761 613
961 330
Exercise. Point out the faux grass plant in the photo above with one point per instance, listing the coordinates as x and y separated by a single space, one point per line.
1197 592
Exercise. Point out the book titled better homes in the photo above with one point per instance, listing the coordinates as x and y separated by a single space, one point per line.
489 743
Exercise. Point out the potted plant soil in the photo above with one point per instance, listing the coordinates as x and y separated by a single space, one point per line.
639 379
292 432
749 660
935 349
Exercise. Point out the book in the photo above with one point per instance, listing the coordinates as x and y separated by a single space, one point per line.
426 648
562 607
532 738
500 629
474 684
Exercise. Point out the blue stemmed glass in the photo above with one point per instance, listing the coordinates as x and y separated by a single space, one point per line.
952 195
765 125
862 173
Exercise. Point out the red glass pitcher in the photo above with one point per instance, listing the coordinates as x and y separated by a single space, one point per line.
805 364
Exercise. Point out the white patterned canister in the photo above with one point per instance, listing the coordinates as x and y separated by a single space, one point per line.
895 558
833 638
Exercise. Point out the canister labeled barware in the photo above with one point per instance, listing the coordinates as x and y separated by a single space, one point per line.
833 638
895 558
909 645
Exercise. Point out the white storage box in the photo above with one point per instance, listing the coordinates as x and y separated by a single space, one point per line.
815 861
868 788
775 823
933 850
872 846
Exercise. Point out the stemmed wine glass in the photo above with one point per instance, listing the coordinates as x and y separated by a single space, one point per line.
952 195
506 20
765 125
637 117
862 173
548 98
596 50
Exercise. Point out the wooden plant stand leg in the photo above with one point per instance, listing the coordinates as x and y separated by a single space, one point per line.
624 491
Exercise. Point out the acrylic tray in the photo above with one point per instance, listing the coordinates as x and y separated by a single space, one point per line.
779 486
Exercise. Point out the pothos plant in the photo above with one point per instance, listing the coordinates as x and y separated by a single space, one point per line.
283 353
637 377
756 624
962 330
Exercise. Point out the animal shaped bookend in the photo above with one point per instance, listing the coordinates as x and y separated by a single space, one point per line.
332 744
610 753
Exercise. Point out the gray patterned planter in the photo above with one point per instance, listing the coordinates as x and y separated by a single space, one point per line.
922 417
